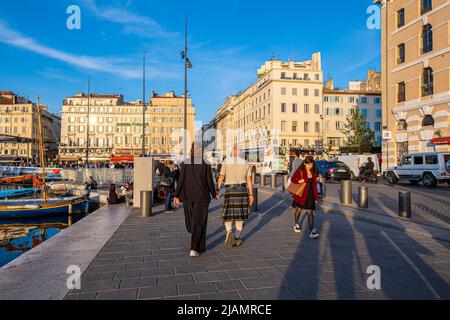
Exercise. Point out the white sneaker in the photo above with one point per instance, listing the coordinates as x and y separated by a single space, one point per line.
314 234
297 228
194 254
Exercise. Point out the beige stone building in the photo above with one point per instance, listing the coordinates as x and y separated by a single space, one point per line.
19 127
115 126
338 104
416 73
283 107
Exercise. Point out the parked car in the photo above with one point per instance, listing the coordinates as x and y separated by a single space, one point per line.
356 161
430 168
334 170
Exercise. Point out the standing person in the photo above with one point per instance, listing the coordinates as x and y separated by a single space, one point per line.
238 175
296 163
306 174
195 189
113 198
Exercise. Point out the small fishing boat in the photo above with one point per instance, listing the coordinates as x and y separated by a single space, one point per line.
17 193
43 207
33 208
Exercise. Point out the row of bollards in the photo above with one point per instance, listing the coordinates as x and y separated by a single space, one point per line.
404 198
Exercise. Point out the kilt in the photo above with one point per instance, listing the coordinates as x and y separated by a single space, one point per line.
235 206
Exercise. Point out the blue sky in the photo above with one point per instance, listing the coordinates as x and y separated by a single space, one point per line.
229 41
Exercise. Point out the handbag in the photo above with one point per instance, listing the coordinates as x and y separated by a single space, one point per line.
166 181
296 189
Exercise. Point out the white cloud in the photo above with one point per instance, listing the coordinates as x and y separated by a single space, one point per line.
133 23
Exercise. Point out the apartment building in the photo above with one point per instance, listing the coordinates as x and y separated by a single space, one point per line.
19 128
416 77
115 126
282 107
338 104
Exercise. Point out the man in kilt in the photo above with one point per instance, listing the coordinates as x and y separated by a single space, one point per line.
236 172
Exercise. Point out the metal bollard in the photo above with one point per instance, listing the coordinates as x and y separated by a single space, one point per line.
273 181
146 204
404 204
254 206
285 180
346 192
363 197
262 178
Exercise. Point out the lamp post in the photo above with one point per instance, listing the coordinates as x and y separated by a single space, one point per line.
87 124
143 105
187 65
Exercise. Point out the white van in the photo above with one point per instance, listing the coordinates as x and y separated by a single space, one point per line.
430 168
356 161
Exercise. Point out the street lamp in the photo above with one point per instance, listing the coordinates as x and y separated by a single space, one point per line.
187 65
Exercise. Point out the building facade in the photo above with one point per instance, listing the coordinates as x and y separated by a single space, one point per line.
19 125
115 126
283 107
416 77
338 104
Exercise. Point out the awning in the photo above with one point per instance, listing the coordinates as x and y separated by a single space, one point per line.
440 141
128 158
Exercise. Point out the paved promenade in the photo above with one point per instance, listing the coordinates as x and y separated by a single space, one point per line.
148 259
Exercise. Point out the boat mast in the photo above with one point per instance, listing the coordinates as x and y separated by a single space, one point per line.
41 148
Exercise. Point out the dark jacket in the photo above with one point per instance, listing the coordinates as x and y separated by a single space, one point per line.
195 183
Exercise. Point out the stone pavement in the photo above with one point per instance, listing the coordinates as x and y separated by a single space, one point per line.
148 259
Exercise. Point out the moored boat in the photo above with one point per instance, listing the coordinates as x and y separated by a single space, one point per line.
33 208
17 193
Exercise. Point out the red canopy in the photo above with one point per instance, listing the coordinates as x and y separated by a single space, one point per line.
123 158
445 140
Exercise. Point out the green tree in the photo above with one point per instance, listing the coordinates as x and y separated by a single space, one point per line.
357 134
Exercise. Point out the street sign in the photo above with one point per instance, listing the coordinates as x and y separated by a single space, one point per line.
387 135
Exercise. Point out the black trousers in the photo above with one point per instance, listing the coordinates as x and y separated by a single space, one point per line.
196 218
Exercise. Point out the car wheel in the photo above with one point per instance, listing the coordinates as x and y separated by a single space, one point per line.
391 178
429 180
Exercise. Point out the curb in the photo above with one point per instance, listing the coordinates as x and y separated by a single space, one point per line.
354 215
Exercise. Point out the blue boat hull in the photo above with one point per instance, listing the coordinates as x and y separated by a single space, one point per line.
79 206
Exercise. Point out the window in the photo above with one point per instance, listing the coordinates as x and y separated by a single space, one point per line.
316 92
418 160
426 6
306 76
406 161
364 100
427 38
283 75
306 108
378 113
294 126
316 109
364 112
317 77
283 91
317 127
306 126
401 53
283 107
294 91
428 120
306 92
306 142
402 125
400 18
431 159
427 82
294 107
377 126
401 92
339 125
376 100
283 126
